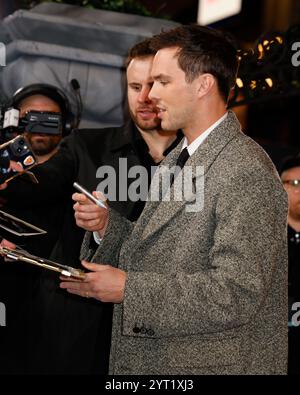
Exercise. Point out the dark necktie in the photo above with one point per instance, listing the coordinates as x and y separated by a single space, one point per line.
182 158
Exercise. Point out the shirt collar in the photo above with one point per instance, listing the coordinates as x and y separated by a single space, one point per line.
199 140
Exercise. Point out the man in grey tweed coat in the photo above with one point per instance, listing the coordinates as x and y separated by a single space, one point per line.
196 291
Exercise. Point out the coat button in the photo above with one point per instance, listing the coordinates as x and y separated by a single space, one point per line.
143 330
136 329
150 332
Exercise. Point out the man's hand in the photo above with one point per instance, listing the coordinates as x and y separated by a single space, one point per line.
104 283
88 215
7 244
12 166
15 166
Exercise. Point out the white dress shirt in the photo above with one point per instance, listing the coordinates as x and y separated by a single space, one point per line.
199 140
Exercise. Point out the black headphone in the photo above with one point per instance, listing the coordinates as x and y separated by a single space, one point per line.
69 121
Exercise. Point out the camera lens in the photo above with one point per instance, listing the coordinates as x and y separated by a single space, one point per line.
19 150
21 142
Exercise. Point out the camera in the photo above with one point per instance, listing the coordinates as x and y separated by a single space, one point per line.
17 150
41 122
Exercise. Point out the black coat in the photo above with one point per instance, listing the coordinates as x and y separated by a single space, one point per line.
294 297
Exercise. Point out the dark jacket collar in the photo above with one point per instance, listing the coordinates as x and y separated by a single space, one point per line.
126 135
129 135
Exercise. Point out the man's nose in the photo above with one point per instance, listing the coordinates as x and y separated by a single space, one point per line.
153 94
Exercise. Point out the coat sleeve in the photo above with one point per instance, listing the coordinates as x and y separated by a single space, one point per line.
248 256
118 230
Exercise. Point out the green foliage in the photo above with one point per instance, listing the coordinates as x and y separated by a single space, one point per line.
127 6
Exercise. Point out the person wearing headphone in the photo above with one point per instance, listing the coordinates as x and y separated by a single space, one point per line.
18 282
42 98
43 145
35 102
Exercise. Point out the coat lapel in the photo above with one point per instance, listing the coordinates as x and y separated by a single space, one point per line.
157 214
151 205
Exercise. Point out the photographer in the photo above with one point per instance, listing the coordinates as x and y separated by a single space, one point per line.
44 145
36 103
43 112
18 283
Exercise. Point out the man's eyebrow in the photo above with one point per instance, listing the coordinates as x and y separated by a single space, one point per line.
134 84
160 76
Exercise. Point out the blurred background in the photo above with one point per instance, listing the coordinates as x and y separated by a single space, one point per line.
256 16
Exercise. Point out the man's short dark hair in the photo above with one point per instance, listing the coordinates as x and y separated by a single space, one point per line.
140 50
289 163
202 50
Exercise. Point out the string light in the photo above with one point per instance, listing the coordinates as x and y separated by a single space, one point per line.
269 82
266 72
239 83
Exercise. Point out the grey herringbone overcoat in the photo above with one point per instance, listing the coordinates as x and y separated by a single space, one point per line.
206 291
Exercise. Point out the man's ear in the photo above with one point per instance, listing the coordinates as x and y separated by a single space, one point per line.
206 82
